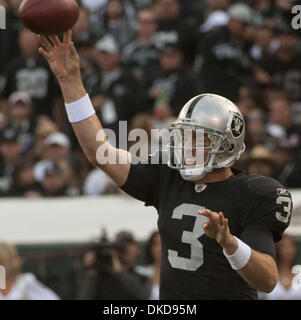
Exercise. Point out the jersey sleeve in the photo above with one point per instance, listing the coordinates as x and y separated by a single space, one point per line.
269 207
143 182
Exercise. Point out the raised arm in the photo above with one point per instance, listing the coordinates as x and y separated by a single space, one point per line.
63 60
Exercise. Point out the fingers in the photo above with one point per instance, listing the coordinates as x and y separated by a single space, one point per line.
67 37
226 224
223 222
205 213
45 43
221 219
44 53
208 213
213 216
205 225
72 49
55 40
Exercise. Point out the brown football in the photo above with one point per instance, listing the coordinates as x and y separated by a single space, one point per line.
49 17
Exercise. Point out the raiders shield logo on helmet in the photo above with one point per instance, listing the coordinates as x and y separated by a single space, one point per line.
237 125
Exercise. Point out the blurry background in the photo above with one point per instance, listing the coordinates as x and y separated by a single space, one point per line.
141 61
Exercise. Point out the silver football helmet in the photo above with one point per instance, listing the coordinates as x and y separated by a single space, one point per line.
222 141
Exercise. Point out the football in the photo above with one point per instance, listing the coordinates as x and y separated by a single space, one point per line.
49 17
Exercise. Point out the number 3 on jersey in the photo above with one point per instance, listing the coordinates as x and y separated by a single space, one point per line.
189 237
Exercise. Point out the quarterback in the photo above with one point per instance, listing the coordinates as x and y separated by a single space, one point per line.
218 225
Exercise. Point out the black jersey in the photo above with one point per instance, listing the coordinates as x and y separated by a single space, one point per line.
193 265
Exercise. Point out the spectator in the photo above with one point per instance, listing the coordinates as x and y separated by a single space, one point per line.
284 66
116 22
174 85
264 44
55 179
255 127
152 261
97 183
44 128
171 28
225 61
20 119
111 271
141 54
55 171
29 73
20 286
127 249
290 167
23 181
83 35
280 131
260 160
91 73
285 289
10 153
117 97
57 146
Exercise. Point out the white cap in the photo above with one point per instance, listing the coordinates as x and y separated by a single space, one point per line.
215 19
19 96
108 44
59 139
40 169
241 12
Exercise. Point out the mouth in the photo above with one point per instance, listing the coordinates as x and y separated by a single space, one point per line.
190 162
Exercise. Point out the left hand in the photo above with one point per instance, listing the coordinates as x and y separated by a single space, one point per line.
216 227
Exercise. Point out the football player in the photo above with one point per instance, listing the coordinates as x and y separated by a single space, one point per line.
217 224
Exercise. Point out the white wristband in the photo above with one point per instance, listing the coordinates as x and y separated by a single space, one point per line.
80 110
240 257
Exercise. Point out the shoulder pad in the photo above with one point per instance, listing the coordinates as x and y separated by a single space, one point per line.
264 186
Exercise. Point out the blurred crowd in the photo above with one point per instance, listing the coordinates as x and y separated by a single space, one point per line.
141 60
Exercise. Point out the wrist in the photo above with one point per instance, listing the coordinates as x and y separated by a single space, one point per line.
229 244
72 88
70 79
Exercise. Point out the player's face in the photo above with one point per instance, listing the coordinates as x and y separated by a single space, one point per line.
194 152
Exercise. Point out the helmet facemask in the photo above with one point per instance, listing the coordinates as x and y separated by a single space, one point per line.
192 150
